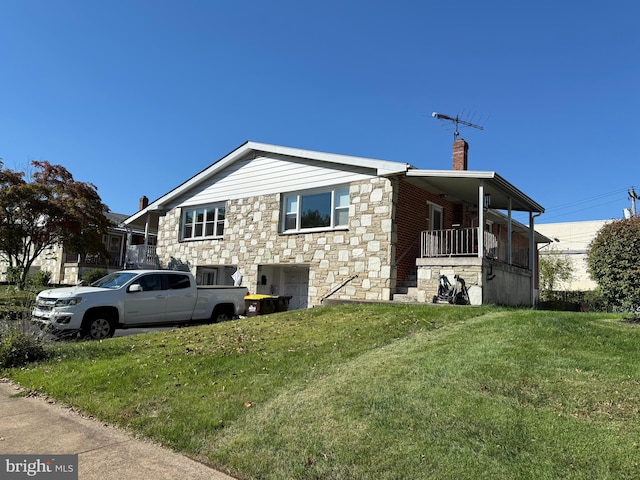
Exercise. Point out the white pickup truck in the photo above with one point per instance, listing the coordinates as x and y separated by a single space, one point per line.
134 298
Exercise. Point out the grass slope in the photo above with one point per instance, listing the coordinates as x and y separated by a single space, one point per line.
378 391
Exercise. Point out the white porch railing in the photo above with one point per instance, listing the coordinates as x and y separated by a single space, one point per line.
87 259
463 242
142 256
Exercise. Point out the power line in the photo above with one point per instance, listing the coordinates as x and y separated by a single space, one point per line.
583 204
588 199
588 207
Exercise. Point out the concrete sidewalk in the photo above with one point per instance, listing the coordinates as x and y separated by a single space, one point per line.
34 426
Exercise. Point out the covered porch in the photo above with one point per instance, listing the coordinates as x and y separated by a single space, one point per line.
472 233
465 242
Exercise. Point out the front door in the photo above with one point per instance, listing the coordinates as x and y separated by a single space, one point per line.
296 285
435 225
435 217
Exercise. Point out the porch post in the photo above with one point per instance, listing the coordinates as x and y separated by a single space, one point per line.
532 257
509 237
481 219
146 237
123 250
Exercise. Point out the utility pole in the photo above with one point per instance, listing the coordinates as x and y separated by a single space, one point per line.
633 196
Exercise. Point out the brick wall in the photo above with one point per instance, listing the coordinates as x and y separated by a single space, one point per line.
460 154
412 212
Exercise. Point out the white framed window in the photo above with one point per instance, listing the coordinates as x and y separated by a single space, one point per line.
203 222
323 209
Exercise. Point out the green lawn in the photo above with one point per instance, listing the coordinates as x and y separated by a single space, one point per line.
373 392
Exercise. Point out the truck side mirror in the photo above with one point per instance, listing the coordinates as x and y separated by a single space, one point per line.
136 287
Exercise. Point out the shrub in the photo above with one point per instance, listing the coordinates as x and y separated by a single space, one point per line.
614 262
594 301
16 304
559 305
20 344
589 301
91 276
39 279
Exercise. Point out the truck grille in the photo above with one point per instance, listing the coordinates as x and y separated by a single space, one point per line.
45 303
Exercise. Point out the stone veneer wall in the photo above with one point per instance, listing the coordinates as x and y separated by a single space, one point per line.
252 238
488 281
430 269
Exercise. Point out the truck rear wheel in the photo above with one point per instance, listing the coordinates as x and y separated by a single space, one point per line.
98 326
221 314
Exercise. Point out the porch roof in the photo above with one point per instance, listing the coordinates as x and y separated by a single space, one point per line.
462 185
517 226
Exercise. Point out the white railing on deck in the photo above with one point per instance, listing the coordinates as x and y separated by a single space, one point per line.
459 242
449 243
88 259
141 255
463 242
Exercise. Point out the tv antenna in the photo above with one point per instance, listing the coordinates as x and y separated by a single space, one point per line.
458 121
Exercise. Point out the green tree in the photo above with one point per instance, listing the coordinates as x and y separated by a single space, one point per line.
50 209
614 262
555 268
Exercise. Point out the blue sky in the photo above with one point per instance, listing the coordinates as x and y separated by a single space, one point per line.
137 96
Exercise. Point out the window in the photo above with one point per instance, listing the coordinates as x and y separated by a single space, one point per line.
203 222
176 281
215 274
318 209
151 282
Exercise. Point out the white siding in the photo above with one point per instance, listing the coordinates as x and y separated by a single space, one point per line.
267 175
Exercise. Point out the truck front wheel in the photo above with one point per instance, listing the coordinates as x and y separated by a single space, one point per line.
98 326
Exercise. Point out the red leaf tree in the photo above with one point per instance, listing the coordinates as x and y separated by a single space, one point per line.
50 209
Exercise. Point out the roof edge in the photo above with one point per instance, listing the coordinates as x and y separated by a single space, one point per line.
382 168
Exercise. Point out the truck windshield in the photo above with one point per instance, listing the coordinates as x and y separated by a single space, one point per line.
114 280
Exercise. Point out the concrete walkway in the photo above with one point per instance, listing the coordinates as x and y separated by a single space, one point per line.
35 426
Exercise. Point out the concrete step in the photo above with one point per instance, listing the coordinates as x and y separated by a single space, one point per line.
405 298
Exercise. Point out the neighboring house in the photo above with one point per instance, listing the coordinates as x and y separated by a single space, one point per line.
122 244
315 225
571 240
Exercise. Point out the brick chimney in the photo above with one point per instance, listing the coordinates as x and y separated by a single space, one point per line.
144 202
460 154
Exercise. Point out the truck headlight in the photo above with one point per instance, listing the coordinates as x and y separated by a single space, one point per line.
66 302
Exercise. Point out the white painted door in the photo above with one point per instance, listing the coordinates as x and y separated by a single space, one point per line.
296 285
